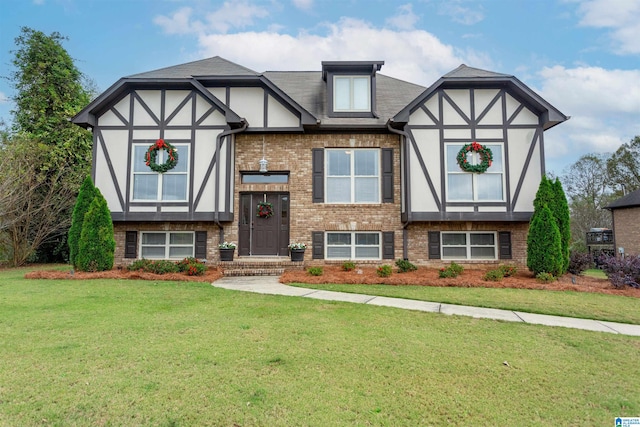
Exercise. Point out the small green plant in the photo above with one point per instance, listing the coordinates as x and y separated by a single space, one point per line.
162 266
494 275
196 269
348 266
315 271
139 265
508 270
405 266
545 277
384 270
452 270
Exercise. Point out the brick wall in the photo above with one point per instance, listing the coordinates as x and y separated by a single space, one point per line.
627 230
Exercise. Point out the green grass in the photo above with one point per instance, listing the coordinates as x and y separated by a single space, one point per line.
595 272
586 305
116 352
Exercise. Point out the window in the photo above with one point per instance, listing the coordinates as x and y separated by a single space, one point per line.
466 186
167 245
353 176
152 186
264 178
351 93
353 245
469 246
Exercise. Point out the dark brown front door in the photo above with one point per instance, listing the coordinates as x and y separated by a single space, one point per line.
263 236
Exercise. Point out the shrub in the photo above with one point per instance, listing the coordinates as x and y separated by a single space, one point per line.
384 270
560 210
545 277
139 265
97 245
622 271
544 247
348 266
579 262
453 270
315 271
405 266
162 266
184 265
196 269
494 275
85 197
508 270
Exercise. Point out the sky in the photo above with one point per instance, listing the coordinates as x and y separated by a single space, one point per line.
582 56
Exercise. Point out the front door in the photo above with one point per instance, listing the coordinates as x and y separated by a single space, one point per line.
259 235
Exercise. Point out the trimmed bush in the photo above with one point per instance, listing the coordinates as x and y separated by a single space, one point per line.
97 245
494 275
544 248
348 266
162 266
622 272
560 210
85 197
191 266
139 265
384 270
508 270
545 277
315 271
579 262
453 270
405 266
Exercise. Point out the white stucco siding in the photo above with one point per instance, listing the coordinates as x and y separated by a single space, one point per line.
520 141
427 141
525 117
419 117
462 99
140 116
116 143
152 98
150 134
181 116
482 99
124 107
279 116
203 152
109 118
220 93
170 135
496 134
248 102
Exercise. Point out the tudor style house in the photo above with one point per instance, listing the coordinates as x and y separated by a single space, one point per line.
357 165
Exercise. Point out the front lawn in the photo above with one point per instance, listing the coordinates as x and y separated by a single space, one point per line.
125 352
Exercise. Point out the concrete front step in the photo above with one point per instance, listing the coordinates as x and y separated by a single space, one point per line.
258 266
235 272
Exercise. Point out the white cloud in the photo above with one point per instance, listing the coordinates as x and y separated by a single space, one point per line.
405 19
604 106
4 99
461 14
303 4
621 16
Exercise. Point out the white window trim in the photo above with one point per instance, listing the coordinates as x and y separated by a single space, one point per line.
353 176
353 245
474 177
468 245
168 244
181 149
351 96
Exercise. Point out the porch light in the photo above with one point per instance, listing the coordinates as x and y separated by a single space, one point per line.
263 165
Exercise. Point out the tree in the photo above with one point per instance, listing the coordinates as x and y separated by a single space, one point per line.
97 245
544 247
623 167
85 197
560 210
49 90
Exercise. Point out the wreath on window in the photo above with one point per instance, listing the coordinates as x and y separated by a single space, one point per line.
264 210
486 158
152 154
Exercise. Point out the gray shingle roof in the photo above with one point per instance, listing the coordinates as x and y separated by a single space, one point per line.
465 72
628 201
215 66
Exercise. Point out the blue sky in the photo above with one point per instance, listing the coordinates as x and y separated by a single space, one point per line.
583 56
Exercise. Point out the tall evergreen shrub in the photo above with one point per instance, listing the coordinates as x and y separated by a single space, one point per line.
97 244
85 197
560 210
544 247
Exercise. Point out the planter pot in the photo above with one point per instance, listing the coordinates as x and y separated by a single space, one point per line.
297 255
226 254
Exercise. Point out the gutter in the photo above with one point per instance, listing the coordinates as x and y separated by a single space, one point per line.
221 135
405 241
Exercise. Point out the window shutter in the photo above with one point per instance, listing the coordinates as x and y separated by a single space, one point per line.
434 245
317 160
131 244
504 240
201 245
388 249
317 237
387 175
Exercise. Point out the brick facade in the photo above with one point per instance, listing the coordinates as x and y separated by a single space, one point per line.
627 230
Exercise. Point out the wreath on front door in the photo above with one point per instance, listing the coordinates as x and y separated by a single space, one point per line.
264 210
152 154
486 158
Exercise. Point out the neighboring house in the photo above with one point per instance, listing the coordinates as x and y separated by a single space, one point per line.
625 213
359 165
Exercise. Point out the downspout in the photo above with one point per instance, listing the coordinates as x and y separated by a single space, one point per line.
405 139
221 135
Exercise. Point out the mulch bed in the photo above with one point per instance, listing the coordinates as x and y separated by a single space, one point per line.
211 275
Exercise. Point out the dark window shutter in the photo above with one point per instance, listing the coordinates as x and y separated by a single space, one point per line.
317 160
317 237
434 245
387 175
131 244
201 245
388 249
504 240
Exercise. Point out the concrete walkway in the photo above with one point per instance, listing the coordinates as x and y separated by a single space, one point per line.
271 285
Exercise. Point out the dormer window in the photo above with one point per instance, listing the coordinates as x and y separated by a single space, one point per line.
351 87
